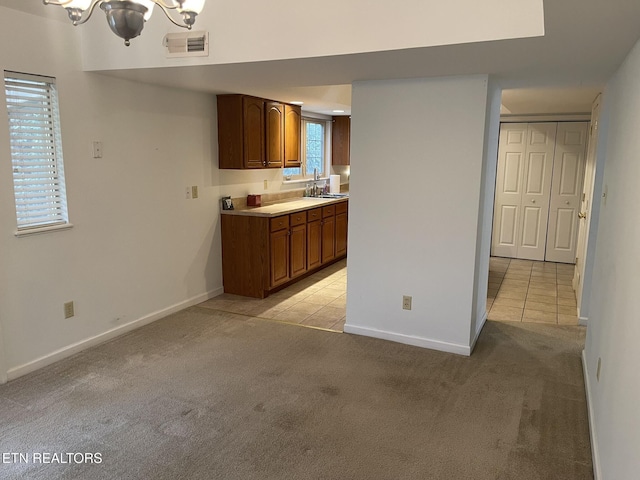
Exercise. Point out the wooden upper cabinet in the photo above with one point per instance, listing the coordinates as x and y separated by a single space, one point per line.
340 140
240 132
274 112
292 135
258 133
253 109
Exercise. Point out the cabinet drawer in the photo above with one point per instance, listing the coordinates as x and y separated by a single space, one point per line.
298 218
342 207
328 211
279 223
315 214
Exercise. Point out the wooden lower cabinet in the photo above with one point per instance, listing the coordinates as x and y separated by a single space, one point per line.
328 239
314 238
328 233
260 254
279 257
298 250
341 229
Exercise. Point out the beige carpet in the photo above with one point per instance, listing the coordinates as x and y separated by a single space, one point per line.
210 395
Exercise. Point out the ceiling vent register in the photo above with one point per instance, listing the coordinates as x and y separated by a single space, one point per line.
187 44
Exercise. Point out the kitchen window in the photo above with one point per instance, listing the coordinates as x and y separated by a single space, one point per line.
36 153
314 147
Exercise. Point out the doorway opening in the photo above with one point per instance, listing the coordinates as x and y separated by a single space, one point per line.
543 206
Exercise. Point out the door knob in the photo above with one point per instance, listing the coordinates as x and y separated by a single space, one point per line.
582 215
567 202
533 201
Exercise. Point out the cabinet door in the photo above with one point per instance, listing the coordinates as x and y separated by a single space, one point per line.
279 256
253 132
328 239
340 140
292 128
314 244
275 134
341 234
230 131
298 246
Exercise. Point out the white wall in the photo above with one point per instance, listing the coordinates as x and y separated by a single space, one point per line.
485 214
138 248
614 321
238 32
417 150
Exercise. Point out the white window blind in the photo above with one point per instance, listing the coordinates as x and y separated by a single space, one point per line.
36 150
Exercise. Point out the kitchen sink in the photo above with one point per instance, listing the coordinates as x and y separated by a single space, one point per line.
332 195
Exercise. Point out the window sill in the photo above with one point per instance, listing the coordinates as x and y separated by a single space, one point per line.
37 230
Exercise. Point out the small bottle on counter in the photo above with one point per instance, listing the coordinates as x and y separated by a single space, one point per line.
307 190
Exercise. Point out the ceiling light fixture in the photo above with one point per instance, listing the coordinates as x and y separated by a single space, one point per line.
126 17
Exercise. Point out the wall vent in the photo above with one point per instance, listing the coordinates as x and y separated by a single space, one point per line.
187 44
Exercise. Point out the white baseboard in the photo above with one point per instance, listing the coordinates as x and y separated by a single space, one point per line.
583 321
592 423
408 339
65 352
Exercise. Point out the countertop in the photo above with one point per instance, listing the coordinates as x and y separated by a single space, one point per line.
285 207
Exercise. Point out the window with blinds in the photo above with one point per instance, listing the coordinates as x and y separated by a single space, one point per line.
36 151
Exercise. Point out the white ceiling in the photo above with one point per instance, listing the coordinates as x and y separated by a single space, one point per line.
584 43
540 101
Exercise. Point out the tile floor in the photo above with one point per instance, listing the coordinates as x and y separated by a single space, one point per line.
519 291
320 301
529 291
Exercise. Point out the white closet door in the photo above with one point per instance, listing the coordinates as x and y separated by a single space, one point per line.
566 189
536 188
508 197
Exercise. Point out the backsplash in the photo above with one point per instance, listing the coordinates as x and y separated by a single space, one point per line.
276 197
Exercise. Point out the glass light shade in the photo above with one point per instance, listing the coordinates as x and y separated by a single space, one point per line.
80 4
195 6
149 4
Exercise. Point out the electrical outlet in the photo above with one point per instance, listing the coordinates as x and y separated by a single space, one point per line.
406 302
97 149
68 310
598 369
194 191
266 184
187 193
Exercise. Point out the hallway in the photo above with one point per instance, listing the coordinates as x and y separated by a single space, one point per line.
530 291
